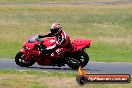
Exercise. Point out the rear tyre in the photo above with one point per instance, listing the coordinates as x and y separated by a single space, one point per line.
84 59
78 59
19 59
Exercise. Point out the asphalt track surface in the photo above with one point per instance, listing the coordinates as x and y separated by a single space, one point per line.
92 67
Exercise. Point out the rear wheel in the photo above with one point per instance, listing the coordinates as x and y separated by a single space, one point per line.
84 58
19 59
78 59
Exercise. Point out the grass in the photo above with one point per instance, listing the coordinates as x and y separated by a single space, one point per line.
109 26
39 73
42 1
39 79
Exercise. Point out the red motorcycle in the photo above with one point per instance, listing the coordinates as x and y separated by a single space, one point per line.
29 53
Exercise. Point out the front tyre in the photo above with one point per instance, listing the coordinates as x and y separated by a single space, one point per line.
19 59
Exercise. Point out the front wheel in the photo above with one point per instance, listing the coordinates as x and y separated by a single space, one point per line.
19 59
78 59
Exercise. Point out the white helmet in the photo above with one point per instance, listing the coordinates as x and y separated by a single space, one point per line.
55 28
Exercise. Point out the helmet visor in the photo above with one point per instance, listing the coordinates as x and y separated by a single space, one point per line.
53 31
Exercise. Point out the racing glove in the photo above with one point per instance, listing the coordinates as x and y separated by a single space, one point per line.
41 36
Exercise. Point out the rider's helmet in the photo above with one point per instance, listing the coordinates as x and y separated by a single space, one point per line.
55 28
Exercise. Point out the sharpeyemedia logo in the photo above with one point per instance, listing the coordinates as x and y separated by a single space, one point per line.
83 78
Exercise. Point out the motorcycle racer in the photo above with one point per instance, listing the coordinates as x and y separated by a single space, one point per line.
56 50
62 44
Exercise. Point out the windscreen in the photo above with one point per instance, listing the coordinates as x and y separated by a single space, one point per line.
34 38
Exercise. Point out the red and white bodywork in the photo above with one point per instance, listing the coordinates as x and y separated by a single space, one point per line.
29 54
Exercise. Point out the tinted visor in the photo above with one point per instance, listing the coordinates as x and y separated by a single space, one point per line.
54 30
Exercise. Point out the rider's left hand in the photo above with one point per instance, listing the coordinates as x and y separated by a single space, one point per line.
40 36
